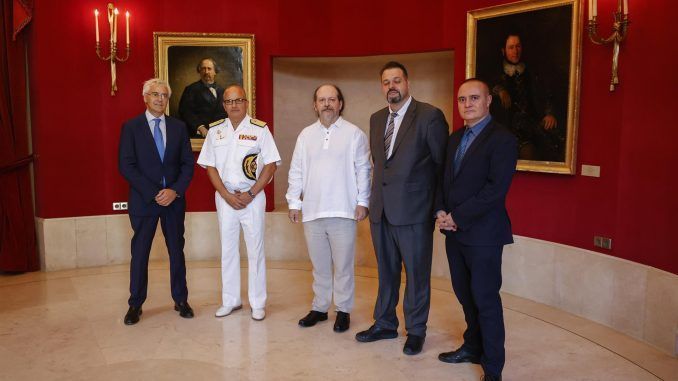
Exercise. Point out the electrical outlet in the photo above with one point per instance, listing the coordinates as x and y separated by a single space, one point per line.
590 170
602 242
123 206
116 206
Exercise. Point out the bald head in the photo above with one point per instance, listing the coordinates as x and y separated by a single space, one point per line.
473 101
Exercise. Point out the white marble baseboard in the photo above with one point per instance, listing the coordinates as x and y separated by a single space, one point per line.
635 299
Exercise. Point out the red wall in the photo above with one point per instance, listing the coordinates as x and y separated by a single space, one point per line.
628 132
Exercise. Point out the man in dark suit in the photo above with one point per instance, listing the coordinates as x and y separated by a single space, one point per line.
156 160
471 212
201 101
407 141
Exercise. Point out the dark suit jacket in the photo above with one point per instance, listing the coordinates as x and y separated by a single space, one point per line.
403 187
199 107
476 196
139 163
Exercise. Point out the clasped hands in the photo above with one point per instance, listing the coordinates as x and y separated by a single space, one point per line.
165 196
237 200
445 221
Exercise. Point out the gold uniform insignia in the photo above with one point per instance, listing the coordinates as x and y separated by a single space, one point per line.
249 166
257 122
217 122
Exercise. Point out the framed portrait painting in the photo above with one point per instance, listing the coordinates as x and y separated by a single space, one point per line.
529 52
198 67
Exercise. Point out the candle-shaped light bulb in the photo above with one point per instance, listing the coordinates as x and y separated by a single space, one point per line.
96 23
127 26
590 10
626 7
595 8
115 25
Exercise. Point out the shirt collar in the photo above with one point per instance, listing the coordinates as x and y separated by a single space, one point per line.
511 69
245 122
150 117
334 125
478 127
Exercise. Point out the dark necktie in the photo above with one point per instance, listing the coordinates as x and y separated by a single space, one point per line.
461 150
388 137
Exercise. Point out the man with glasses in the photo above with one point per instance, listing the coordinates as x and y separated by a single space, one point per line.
471 212
156 160
201 101
330 205
240 157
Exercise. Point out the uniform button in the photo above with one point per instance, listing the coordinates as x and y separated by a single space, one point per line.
384 184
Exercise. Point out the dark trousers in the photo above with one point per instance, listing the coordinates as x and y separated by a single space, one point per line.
410 245
172 223
476 279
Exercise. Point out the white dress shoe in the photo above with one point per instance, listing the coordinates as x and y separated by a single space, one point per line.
258 313
226 310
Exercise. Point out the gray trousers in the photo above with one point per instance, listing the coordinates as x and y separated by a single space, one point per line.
331 241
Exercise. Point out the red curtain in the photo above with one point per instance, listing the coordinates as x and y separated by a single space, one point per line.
18 251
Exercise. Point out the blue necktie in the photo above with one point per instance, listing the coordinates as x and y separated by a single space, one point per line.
159 143
461 150
157 136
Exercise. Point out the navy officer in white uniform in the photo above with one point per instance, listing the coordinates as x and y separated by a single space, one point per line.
241 157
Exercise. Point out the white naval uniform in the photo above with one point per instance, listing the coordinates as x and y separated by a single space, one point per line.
225 149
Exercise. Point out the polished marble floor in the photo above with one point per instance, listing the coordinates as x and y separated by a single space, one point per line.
68 326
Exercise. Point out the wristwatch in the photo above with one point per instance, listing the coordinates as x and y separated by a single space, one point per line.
249 192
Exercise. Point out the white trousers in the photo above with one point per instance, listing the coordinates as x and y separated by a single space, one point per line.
252 221
331 241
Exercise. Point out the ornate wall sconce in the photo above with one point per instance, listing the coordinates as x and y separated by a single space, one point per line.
113 26
619 30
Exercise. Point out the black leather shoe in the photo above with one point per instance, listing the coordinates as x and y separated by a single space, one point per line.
375 333
488 377
460 355
132 316
312 318
342 322
185 311
413 345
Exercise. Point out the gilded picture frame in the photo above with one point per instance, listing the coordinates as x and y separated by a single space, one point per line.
535 87
177 55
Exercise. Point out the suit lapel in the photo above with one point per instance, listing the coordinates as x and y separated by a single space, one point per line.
405 125
148 135
380 130
172 136
207 94
455 140
477 142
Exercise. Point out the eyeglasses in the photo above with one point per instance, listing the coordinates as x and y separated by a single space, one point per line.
238 101
471 99
156 95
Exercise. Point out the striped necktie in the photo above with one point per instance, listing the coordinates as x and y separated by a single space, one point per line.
388 137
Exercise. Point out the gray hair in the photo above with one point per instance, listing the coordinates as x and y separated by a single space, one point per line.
155 81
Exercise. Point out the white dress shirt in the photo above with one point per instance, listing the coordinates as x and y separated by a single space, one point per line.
330 171
397 122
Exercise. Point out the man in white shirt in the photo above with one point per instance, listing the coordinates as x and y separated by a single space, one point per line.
329 181
241 157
